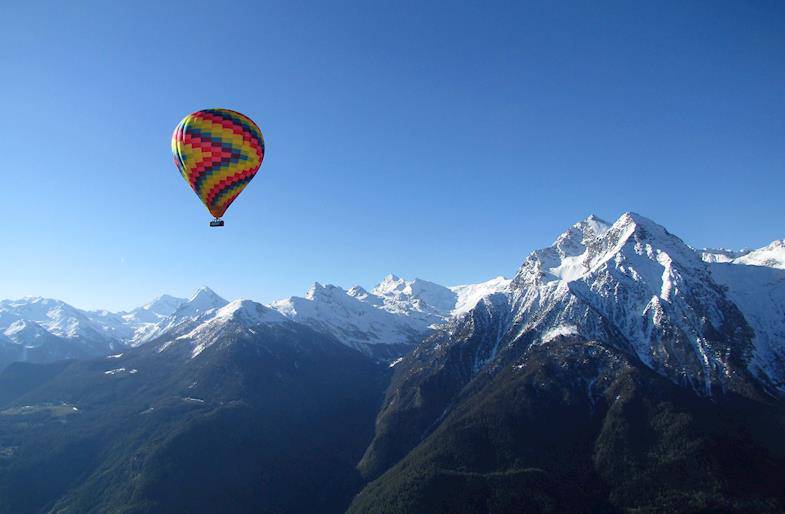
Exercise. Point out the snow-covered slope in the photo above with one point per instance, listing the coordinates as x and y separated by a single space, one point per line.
134 325
359 319
772 256
155 311
239 316
25 332
42 330
395 314
427 299
186 316
203 300
759 291
720 254
415 297
467 296
59 319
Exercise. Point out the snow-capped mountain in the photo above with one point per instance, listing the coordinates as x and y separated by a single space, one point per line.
33 343
720 254
239 317
440 303
635 284
605 302
156 310
467 296
26 332
58 319
254 398
772 256
386 321
759 293
43 330
356 318
417 297
188 314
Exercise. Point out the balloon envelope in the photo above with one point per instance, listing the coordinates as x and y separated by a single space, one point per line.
218 152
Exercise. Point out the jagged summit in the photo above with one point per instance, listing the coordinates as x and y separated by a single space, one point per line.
203 300
361 293
415 295
204 293
249 312
595 224
636 285
318 290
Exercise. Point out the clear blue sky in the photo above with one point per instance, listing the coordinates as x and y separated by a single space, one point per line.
438 140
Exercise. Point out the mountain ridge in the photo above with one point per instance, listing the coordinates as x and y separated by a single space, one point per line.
385 321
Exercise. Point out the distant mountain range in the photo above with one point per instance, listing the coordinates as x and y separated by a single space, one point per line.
620 370
385 322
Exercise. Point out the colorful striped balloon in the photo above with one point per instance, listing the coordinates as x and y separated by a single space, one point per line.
218 152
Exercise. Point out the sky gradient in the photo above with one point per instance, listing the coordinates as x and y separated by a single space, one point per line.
432 141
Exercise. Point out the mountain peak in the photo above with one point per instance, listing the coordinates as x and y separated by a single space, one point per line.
388 284
656 238
200 302
649 287
595 224
203 292
420 295
772 255
574 240
357 290
592 242
318 290
645 227
249 313
313 291
361 294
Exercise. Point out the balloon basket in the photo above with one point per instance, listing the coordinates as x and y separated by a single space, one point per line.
217 223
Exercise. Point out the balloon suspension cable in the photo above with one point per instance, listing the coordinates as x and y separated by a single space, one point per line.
217 222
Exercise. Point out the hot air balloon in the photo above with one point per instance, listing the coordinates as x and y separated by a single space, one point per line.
218 152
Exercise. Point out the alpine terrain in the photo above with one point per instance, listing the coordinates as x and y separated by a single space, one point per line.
619 370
